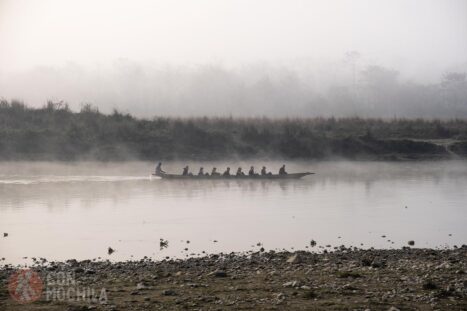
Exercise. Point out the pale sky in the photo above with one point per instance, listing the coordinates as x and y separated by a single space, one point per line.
88 32
230 57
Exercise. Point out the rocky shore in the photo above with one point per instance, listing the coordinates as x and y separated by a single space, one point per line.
346 279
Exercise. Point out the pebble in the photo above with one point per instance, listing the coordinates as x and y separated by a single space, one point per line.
140 286
78 270
290 284
163 243
169 292
294 259
89 271
219 274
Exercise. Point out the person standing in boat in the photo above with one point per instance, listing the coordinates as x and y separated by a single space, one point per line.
214 172
159 170
239 172
227 172
282 170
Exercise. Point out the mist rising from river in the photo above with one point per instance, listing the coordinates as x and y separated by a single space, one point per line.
77 210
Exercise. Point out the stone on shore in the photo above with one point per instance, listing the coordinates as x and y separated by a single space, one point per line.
295 258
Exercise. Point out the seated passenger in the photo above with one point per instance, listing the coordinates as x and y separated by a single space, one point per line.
251 172
214 172
201 171
239 172
185 171
282 170
264 173
227 172
159 170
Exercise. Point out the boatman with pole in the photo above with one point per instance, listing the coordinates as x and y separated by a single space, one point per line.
159 170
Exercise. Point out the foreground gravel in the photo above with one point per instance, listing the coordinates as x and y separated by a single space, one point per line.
347 279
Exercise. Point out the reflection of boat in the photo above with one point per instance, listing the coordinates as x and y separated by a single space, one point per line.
271 176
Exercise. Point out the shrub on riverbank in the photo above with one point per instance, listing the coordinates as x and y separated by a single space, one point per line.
56 132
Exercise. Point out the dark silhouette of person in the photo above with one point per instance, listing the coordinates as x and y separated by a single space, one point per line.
227 172
251 172
239 172
159 170
214 172
263 171
201 171
185 171
282 170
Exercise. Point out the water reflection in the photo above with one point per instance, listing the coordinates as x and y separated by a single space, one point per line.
78 210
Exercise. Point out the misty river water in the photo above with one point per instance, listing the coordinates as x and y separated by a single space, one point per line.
77 210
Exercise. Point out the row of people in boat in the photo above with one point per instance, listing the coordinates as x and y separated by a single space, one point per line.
227 172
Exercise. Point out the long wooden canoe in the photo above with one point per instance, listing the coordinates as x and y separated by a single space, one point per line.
273 176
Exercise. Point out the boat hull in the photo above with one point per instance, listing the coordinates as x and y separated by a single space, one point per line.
262 177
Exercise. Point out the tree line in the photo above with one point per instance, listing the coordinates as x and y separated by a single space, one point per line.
55 132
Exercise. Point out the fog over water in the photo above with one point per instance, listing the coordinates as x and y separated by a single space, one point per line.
241 58
77 210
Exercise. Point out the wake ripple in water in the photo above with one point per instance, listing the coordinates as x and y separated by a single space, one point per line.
30 180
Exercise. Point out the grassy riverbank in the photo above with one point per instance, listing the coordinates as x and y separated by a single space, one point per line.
56 133
346 279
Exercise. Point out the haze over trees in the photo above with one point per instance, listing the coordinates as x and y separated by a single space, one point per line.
297 58
345 89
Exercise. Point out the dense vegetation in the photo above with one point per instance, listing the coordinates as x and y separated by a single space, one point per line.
56 132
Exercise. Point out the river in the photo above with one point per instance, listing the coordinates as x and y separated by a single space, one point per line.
77 210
